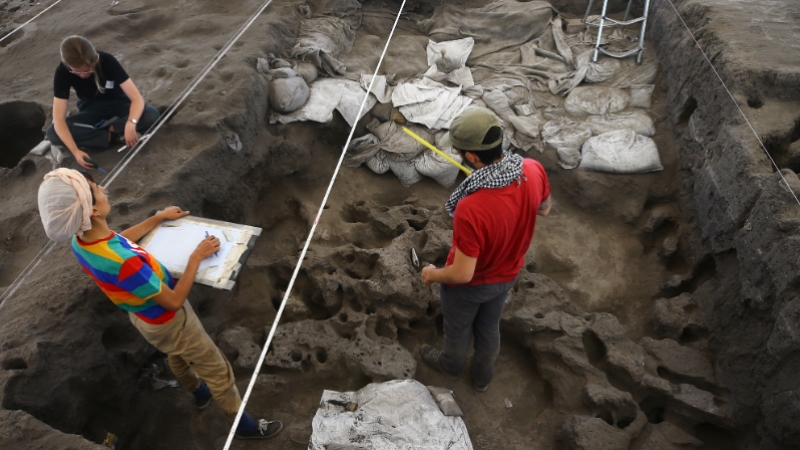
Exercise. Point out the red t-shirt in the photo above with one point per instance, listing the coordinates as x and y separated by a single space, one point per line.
496 225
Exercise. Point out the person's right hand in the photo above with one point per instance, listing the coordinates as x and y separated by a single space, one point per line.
206 247
81 157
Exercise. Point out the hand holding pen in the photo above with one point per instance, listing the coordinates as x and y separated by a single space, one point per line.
207 236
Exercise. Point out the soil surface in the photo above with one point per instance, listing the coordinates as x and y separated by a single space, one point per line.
654 311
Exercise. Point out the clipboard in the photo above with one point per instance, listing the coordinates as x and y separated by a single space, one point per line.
173 241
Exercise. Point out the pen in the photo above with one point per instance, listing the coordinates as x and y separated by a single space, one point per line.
215 253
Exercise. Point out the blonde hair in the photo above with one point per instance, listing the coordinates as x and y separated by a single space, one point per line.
77 51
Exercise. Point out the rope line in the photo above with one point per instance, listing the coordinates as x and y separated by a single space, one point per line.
29 21
778 169
12 288
308 240
123 163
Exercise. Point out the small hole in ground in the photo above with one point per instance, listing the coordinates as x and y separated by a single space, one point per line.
321 355
343 317
28 167
606 417
654 409
754 102
20 130
688 109
14 364
296 356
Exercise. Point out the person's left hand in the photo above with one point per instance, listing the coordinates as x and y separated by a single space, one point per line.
427 274
172 213
131 138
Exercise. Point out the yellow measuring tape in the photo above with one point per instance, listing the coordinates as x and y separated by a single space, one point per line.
439 152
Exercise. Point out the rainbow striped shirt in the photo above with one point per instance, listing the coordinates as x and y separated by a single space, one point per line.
127 274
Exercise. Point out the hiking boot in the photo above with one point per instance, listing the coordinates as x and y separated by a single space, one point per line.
265 430
480 388
430 356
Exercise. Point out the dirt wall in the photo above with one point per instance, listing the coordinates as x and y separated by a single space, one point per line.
745 222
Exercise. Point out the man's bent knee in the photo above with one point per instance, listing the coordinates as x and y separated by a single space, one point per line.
52 136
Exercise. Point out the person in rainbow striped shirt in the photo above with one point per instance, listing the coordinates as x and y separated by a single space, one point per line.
74 208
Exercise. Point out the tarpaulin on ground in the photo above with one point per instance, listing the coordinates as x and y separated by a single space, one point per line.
494 27
328 35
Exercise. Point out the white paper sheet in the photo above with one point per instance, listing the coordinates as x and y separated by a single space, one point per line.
172 246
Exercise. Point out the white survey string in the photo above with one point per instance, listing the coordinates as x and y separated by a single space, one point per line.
308 241
29 21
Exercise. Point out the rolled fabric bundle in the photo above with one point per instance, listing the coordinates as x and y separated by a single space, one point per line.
65 204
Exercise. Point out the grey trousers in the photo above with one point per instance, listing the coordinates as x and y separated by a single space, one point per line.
90 113
467 311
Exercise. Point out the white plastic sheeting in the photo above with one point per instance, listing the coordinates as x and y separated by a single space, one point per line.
328 94
396 415
429 103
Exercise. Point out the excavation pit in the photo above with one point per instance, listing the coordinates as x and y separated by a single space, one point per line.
21 126
627 319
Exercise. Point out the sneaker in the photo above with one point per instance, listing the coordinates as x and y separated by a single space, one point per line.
480 388
265 430
430 356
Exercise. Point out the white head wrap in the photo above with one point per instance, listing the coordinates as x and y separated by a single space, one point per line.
65 204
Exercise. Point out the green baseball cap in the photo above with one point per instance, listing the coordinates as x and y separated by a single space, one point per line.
468 130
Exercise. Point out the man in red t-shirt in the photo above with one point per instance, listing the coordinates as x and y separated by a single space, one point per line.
494 214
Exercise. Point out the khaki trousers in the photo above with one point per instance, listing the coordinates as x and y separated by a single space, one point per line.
193 356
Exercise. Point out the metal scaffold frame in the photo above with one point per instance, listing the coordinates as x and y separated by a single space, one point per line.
604 21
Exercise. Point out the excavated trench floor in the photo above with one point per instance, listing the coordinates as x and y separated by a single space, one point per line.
583 333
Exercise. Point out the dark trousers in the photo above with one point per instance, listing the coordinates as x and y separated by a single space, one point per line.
91 113
468 311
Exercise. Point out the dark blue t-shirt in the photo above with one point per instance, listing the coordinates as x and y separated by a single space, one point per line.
111 76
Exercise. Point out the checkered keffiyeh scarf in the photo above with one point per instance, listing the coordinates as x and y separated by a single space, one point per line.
497 175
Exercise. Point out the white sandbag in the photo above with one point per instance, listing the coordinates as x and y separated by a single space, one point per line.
378 163
262 65
282 72
642 95
596 100
395 141
40 148
362 149
431 164
621 151
567 137
288 94
449 55
308 71
527 131
404 171
637 121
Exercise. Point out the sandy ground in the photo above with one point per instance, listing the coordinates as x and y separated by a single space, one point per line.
602 244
